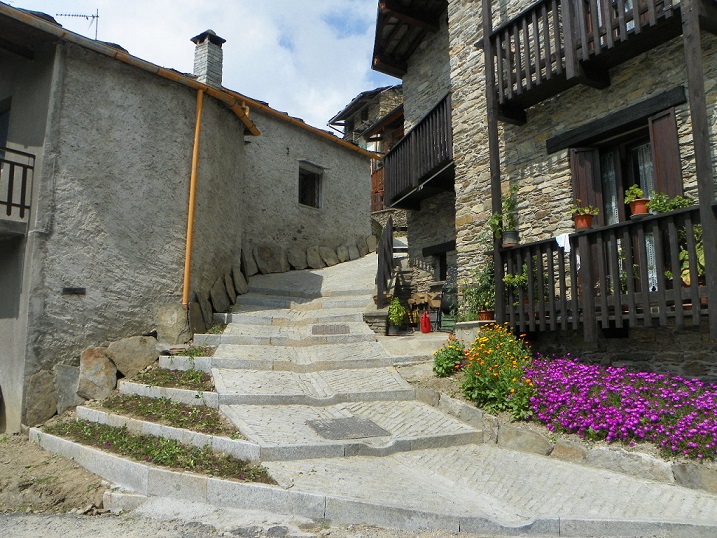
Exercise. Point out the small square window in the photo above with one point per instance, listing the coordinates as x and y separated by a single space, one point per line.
309 188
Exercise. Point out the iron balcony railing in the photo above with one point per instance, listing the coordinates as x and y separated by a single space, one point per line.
555 44
422 152
16 173
637 273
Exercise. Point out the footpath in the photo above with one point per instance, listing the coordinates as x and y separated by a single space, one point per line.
320 404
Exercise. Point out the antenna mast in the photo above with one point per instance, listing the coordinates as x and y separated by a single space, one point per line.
94 19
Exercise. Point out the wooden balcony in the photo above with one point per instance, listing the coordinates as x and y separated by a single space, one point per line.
16 173
640 273
421 163
556 44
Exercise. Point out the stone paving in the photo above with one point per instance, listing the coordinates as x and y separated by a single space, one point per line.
418 458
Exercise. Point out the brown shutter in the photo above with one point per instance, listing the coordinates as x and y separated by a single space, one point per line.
666 152
585 169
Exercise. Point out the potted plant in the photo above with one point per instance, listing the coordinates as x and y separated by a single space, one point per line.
505 223
583 215
396 316
478 297
634 198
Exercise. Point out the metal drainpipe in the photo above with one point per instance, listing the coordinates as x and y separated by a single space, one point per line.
192 200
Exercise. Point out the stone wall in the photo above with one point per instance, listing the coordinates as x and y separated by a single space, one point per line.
273 215
432 225
688 351
428 79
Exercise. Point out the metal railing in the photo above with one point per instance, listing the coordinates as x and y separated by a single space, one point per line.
641 273
384 274
423 151
16 173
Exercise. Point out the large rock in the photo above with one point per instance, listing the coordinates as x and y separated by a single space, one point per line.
132 355
67 383
196 318
241 286
41 398
313 258
696 476
98 374
569 451
218 295
270 259
173 324
206 306
328 255
362 247
371 243
342 253
229 285
297 258
248 263
523 440
353 251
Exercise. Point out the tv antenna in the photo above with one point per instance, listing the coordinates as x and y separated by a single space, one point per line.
94 19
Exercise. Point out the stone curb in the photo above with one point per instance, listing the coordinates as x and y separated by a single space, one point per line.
232 339
237 448
205 364
188 397
689 475
151 481
282 321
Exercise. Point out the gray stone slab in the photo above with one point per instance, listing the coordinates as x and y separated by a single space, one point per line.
347 428
219 297
329 256
247 262
342 253
183 486
240 284
229 285
313 258
263 497
296 257
173 324
362 247
615 527
270 259
354 253
332 328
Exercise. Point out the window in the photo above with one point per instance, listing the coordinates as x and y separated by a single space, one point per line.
646 155
310 177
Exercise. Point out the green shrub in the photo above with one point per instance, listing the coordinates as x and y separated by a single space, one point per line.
494 373
449 358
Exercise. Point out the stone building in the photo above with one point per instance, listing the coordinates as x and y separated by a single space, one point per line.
128 191
568 101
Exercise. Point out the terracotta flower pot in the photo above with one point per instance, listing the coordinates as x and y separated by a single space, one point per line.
583 222
510 238
486 315
639 206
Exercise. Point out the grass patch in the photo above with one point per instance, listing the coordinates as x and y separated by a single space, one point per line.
200 419
159 451
198 351
179 379
217 328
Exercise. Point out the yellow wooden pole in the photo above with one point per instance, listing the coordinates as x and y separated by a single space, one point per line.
192 200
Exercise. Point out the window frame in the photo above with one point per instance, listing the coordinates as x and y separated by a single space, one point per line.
310 172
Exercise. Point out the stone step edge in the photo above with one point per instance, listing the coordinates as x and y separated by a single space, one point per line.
184 396
285 341
205 364
142 479
315 401
301 294
263 319
237 448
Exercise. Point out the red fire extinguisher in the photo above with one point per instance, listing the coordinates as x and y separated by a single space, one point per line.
425 323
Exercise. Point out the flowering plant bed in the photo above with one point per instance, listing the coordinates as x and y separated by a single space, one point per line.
676 414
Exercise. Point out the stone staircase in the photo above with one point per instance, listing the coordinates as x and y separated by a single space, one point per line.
320 404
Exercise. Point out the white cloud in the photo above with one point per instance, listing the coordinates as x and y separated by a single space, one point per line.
305 58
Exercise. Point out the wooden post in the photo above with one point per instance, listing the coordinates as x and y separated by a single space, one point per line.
702 142
586 287
494 154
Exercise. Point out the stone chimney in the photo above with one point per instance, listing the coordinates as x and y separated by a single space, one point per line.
208 58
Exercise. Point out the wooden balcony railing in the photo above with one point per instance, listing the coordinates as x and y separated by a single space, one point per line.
555 44
16 172
638 273
420 154
384 273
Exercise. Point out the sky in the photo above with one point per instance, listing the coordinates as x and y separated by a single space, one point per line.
309 58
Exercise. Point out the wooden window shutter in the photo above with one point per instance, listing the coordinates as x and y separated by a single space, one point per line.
585 169
666 152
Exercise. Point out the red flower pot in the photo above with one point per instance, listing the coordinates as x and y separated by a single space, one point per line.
583 222
639 206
